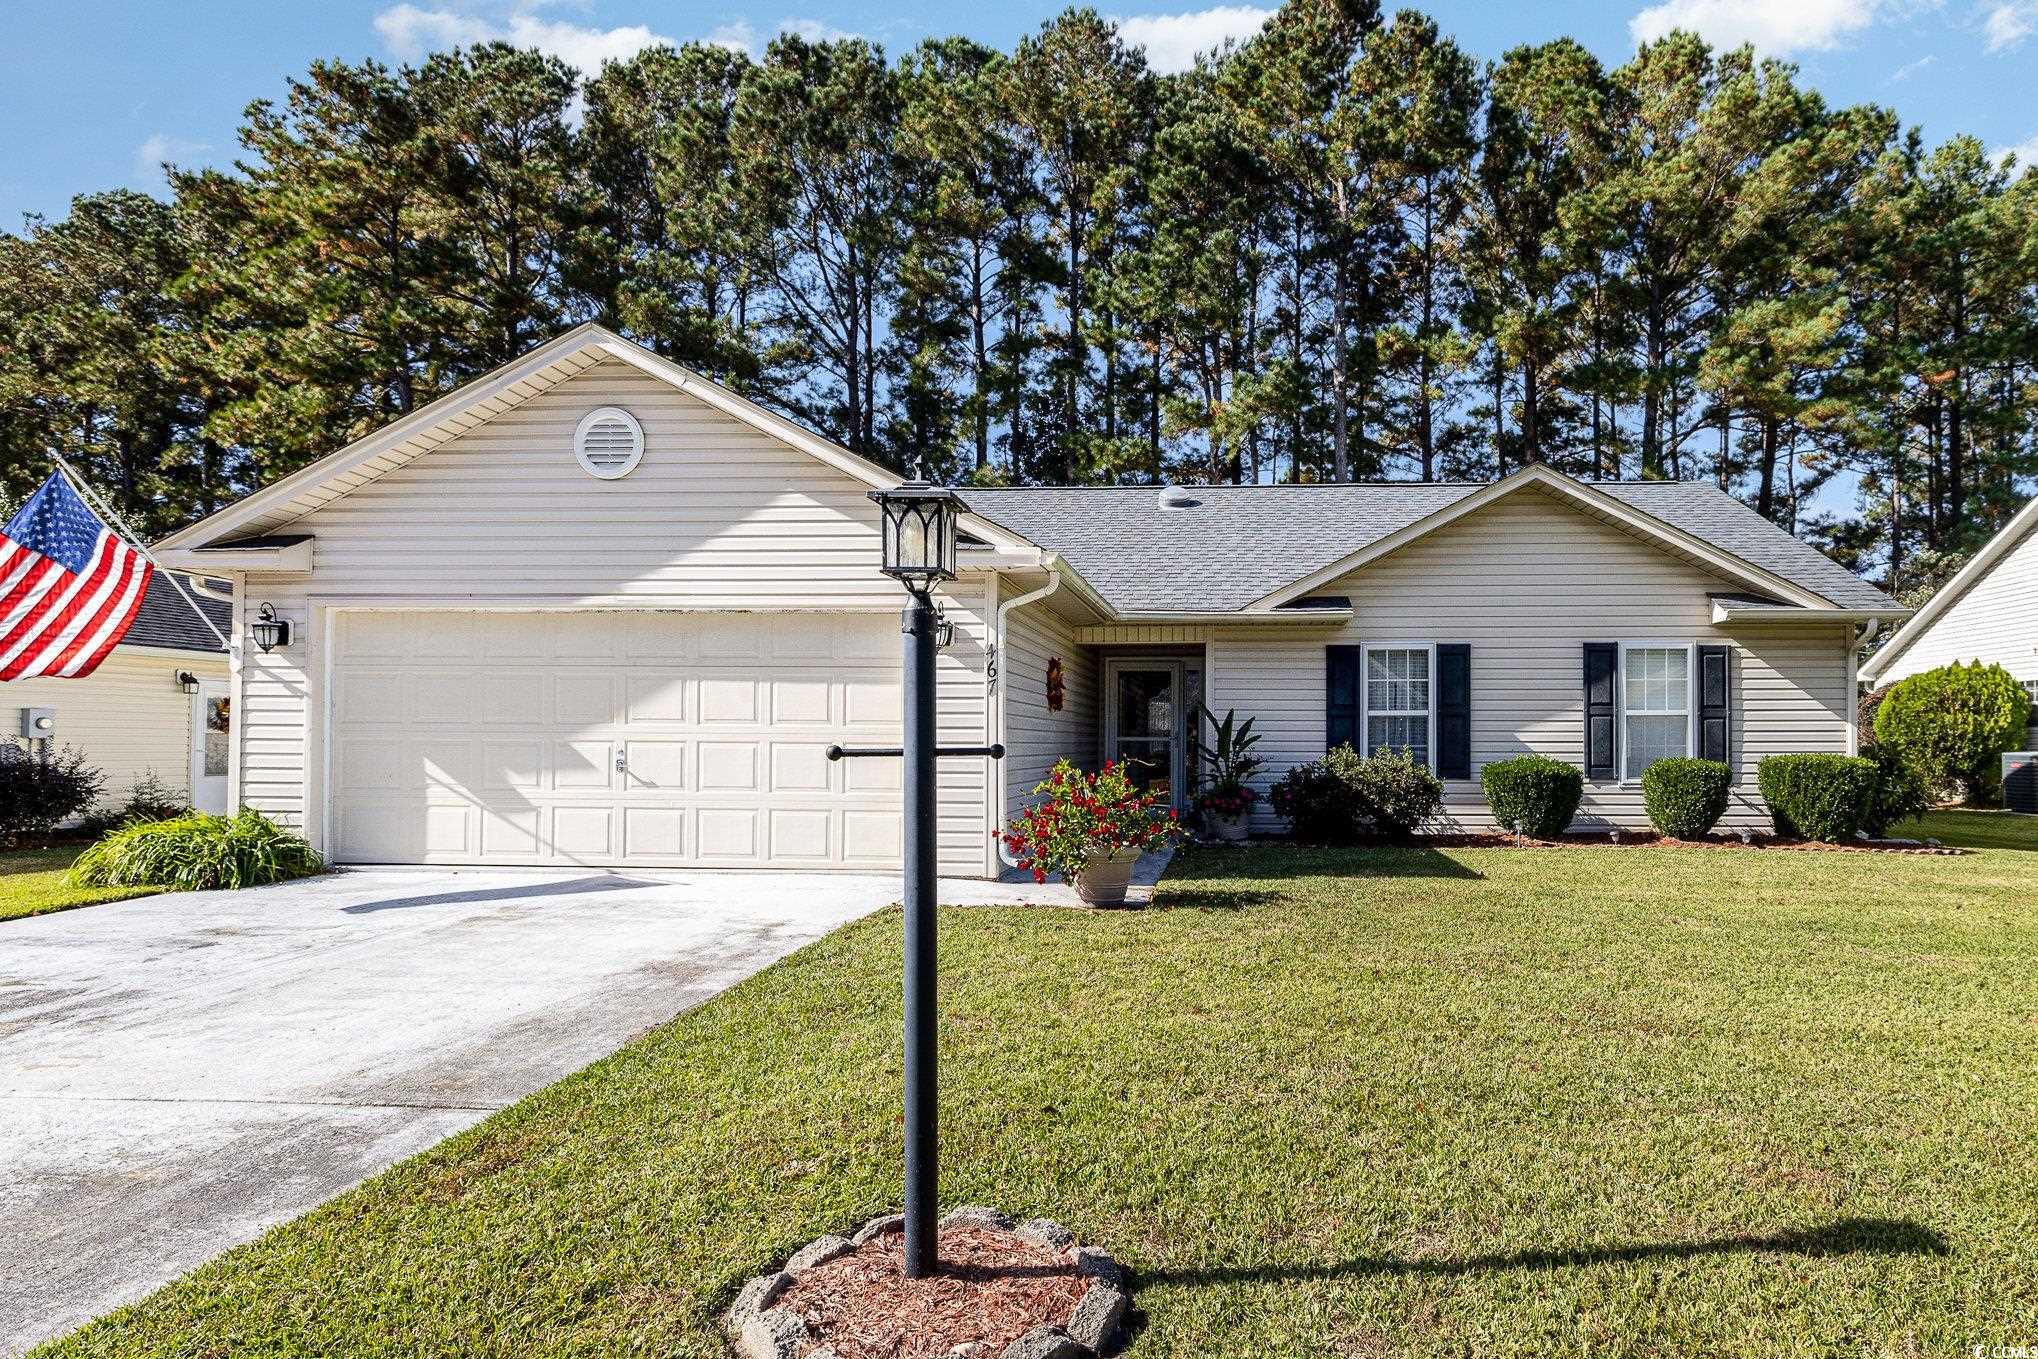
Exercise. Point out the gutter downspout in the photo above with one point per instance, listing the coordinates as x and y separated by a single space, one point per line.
1053 564
1868 633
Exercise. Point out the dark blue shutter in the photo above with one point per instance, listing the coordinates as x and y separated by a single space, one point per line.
1715 705
1341 697
1454 710
1602 662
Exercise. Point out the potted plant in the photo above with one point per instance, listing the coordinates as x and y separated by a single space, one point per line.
1228 796
1091 829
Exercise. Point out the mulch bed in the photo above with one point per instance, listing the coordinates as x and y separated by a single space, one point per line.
1630 839
993 1288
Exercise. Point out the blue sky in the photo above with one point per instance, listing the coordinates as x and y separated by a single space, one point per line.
94 93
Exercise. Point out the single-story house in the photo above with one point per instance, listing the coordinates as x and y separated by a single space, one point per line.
157 705
595 609
1987 612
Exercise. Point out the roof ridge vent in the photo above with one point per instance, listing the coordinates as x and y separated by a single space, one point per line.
1175 497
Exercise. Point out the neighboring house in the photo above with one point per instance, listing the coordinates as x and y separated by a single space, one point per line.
595 609
156 705
1987 612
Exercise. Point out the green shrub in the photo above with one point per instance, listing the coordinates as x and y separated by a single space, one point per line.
41 788
1952 725
196 853
1686 798
151 799
1344 797
1533 795
1819 797
1899 794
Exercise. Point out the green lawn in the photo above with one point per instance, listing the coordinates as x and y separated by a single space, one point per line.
1975 830
1524 1102
32 883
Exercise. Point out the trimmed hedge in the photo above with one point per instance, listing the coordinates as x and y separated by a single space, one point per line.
1533 795
1819 797
1686 798
1344 797
196 853
1952 725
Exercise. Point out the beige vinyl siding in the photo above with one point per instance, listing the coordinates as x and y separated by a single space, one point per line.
1526 583
1995 621
128 716
718 516
1034 737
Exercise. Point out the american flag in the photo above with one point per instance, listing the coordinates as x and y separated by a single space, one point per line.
69 587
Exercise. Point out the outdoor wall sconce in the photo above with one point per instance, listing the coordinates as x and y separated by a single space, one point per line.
944 630
270 631
187 681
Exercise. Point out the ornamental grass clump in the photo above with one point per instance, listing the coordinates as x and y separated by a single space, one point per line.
1686 798
198 853
1533 795
1079 815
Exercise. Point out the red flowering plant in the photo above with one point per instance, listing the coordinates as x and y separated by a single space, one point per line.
1080 814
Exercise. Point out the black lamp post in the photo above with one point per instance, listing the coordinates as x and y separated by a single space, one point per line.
919 553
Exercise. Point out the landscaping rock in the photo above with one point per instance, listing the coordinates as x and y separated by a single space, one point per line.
1050 1234
776 1334
971 1349
986 1219
1097 1265
1098 1314
819 1253
1044 1342
878 1226
760 1293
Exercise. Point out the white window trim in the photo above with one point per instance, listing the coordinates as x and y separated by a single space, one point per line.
1366 651
1620 707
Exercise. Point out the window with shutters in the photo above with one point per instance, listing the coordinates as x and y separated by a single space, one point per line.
1397 695
609 443
1656 704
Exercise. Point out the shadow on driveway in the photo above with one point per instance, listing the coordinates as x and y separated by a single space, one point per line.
503 892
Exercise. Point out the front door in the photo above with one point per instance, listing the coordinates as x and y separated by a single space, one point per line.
211 738
1143 723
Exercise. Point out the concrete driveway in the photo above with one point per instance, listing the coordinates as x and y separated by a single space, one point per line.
180 1072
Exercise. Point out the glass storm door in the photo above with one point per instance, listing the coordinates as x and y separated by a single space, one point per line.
1143 728
211 739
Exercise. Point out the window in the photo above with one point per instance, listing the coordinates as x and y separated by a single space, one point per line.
1655 705
1397 700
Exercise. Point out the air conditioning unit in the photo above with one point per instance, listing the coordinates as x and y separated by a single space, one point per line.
2020 781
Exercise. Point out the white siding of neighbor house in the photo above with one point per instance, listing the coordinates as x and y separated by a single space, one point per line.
1526 583
128 716
1034 737
1995 621
718 516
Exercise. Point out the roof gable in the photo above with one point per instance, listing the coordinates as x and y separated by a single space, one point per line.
263 513
2021 531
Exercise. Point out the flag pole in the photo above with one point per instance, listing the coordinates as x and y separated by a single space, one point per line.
136 541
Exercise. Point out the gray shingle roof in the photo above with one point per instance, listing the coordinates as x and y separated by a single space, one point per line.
1241 543
166 620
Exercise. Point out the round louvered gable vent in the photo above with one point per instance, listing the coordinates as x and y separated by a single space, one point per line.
609 443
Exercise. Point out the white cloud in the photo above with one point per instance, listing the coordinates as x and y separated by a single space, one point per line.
1910 68
1172 41
160 147
1775 27
2025 151
410 32
2006 26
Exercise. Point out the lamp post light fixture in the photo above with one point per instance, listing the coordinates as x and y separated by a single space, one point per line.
919 552
270 631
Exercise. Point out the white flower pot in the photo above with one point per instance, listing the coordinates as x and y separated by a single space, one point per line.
1106 875
1230 829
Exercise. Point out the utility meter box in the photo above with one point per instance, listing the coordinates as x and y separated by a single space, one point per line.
38 724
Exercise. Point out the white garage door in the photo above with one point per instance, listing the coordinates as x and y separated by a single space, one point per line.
684 739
